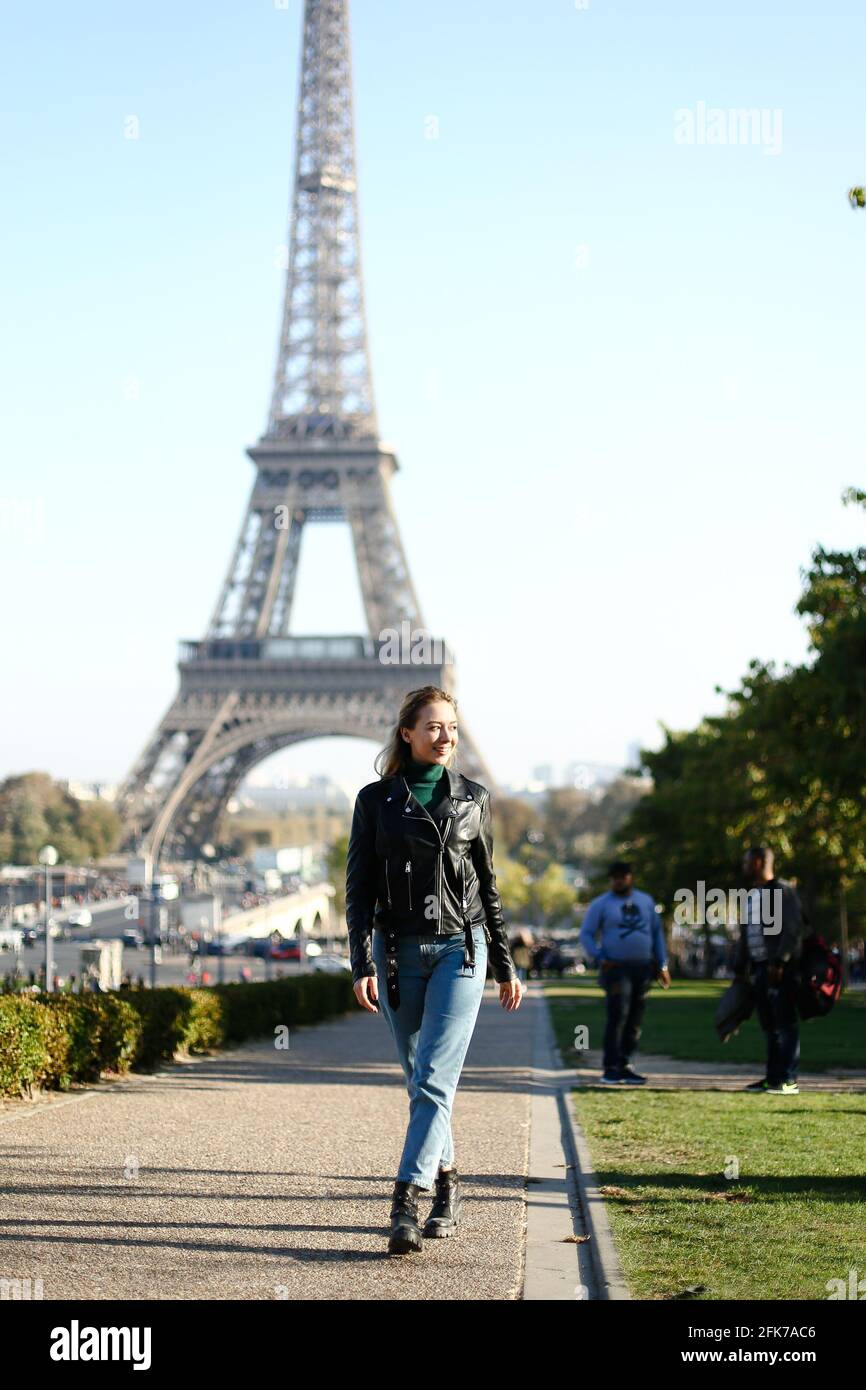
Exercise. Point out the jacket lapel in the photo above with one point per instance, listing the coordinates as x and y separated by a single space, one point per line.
458 792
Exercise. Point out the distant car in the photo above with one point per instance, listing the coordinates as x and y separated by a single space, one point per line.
80 918
285 950
332 965
133 938
54 930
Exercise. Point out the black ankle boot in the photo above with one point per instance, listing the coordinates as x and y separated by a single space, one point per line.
445 1211
405 1231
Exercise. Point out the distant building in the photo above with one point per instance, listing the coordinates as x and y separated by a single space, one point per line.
317 793
632 755
543 773
593 778
589 776
90 791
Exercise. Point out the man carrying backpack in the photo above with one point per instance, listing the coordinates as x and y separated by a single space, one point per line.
768 953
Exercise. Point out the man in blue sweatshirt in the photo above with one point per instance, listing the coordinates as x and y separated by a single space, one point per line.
630 955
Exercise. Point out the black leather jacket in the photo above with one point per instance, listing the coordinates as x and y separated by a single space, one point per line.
408 871
783 947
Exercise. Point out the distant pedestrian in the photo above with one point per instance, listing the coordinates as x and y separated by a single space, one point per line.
768 954
522 958
630 955
543 957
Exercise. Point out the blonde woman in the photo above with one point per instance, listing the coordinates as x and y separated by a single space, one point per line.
424 913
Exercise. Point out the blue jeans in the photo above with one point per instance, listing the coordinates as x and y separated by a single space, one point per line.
432 1028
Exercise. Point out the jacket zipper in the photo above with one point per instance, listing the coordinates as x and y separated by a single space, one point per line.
409 881
442 869
439 892
387 883
442 839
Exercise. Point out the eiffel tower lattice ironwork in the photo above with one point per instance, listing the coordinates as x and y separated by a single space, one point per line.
250 688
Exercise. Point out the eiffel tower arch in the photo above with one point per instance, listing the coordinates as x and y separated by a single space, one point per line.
250 688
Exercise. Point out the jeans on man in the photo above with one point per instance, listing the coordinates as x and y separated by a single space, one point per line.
777 1014
432 1030
626 984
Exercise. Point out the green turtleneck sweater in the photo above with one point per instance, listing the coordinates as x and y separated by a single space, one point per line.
427 782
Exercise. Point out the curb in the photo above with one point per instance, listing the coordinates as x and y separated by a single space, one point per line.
556 1264
609 1276
607 1269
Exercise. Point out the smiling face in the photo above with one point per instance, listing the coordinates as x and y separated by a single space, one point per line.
434 736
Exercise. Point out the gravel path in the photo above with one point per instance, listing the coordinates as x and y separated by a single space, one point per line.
265 1174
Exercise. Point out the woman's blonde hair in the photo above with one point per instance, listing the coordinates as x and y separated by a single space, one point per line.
397 753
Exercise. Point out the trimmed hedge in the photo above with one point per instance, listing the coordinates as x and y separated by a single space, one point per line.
87 1035
49 1041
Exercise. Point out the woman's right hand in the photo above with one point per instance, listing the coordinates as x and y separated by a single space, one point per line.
367 993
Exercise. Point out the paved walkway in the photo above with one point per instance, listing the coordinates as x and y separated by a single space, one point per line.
258 1173
670 1074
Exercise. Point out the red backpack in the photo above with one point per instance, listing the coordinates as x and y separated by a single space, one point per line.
820 977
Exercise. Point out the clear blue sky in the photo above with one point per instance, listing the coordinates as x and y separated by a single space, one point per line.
623 375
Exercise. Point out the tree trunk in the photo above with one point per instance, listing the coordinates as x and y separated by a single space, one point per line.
843 934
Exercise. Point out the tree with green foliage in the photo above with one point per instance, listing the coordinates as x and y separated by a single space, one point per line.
36 811
338 853
784 765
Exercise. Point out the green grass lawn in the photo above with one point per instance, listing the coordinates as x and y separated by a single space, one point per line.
679 1023
795 1219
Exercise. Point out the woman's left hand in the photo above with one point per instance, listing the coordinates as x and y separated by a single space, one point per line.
510 994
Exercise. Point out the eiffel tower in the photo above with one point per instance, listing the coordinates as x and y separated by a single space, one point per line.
250 688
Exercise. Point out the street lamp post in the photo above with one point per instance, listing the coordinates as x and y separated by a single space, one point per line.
48 856
149 894
218 933
154 923
212 886
18 969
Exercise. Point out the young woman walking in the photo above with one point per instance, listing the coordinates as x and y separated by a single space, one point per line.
423 911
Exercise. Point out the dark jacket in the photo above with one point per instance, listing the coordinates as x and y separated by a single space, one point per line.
784 946
736 1005
410 872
